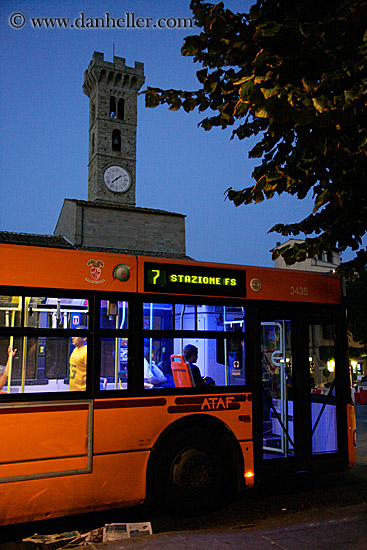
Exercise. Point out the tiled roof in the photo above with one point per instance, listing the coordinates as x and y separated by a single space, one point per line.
54 241
157 254
33 239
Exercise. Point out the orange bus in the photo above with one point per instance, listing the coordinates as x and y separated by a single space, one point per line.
144 377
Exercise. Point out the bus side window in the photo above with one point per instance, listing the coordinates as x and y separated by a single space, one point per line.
40 365
114 315
10 311
114 360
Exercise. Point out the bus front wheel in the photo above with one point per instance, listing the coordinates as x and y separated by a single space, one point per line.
194 473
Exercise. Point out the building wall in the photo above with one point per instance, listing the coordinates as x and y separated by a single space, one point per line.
67 223
86 224
323 264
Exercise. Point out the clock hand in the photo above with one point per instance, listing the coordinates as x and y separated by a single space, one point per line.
116 178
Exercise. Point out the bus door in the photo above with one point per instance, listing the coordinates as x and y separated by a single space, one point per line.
299 359
277 394
323 386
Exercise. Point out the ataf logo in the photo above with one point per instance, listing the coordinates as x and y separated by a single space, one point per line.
95 271
213 403
216 403
122 272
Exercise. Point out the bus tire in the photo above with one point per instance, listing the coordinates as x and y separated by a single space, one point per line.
194 473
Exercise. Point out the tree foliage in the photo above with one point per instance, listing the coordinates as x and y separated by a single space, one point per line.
294 75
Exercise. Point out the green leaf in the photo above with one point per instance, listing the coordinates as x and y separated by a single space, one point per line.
189 104
242 80
261 78
202 75
211 86
258 195
321 104
321 199
246 88
268 29
261 111
192 46
151 99
257 151
175 103
273 176
269 92
226 110
304 118
241 108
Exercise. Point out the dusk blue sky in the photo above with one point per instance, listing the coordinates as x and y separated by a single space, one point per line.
180 167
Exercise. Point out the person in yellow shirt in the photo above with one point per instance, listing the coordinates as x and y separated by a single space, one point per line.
78 364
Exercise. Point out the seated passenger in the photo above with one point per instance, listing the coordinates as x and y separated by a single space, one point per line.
4 376
152 373
191 354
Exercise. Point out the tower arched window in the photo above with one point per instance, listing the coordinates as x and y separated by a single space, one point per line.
112 107
121 109
116 140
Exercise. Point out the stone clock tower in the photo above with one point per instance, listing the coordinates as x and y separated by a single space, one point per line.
112 90
110 219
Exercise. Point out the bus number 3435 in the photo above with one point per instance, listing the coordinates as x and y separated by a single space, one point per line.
298 291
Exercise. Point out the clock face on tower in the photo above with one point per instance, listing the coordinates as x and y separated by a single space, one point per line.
117 179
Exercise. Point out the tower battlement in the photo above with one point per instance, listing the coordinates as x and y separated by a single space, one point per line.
116 74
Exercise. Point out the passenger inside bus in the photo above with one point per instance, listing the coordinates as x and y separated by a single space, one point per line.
191 354
152 373
78 364
4 376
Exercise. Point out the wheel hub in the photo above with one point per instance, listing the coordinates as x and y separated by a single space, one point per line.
193 471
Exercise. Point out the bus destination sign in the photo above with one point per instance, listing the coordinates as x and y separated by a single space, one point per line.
196 280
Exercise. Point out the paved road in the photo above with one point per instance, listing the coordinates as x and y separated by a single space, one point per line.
338 529
322 512
346 530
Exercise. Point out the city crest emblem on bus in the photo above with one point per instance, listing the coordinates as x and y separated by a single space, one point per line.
95 271
122 272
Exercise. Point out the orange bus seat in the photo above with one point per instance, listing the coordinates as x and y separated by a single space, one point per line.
181 371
